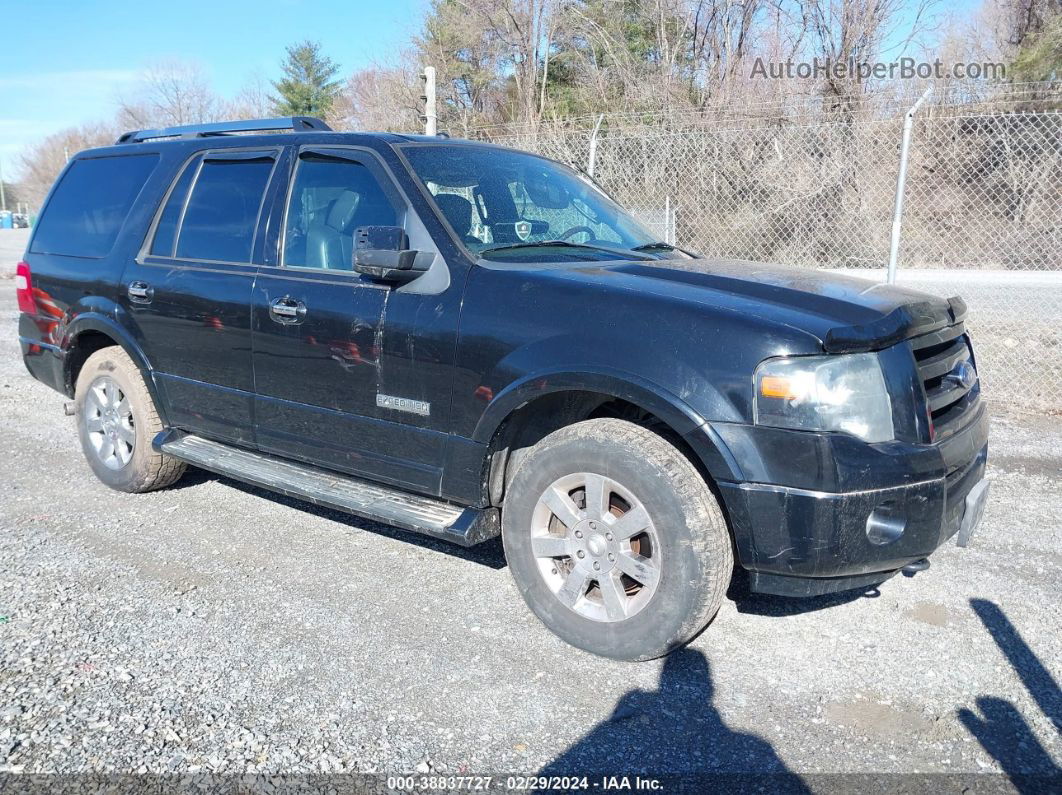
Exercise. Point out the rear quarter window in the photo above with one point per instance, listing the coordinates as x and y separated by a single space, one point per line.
89 205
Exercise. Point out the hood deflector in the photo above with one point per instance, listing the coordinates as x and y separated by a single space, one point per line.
904 322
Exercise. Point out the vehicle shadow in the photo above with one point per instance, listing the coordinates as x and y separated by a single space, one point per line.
1000 728
489 553
676 732
781 606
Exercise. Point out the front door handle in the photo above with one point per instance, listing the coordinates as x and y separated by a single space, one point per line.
140 292
287 310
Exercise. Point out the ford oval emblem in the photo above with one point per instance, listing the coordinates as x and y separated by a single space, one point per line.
964 374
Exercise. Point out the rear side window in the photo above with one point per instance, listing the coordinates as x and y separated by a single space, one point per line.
166 231
90 204
222 210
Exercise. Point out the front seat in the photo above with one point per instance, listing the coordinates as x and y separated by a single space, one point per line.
328 240
458 211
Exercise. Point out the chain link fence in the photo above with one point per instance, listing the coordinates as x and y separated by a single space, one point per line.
982 219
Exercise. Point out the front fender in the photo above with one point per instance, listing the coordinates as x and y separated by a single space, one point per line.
626 386
653 398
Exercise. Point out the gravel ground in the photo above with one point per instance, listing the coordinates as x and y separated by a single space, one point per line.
214 627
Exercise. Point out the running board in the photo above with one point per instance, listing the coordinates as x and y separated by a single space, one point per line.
464 526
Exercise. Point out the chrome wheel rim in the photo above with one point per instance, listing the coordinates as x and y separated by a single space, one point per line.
109 423
596 547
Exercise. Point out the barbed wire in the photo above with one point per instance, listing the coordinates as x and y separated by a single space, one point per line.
826 107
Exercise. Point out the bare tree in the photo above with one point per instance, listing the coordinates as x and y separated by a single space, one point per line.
857 31
41 163
170 93
378 98
253 101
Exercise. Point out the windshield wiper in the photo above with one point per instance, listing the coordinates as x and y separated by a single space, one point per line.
666 248
623 252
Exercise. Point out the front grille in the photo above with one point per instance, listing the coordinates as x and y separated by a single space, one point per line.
938 355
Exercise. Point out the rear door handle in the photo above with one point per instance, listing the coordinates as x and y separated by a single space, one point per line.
287 310
140 292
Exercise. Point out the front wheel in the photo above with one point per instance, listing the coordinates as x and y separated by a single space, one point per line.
615 541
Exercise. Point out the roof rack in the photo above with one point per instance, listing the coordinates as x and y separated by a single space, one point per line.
293 123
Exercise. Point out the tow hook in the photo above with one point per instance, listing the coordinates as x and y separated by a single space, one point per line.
70 408
911 569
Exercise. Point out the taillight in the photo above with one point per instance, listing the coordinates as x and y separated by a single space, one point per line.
24 288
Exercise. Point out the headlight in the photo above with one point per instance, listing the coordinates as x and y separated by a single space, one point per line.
825 393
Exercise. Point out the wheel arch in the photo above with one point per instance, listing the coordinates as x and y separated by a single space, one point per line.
90 332
534 407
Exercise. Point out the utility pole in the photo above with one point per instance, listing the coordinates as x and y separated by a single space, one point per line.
3 198
429 116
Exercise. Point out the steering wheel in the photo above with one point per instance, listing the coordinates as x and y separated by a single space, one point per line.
576 230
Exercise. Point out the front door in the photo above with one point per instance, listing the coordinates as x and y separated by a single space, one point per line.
322 357
188 294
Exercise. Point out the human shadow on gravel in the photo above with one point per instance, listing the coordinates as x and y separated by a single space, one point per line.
676 732
759 604
489 553
1000 728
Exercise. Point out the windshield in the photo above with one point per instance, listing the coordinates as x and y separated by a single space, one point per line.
515 206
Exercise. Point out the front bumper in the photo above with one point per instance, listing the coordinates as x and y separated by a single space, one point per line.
798 540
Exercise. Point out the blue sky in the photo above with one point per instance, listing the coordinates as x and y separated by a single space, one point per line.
64 62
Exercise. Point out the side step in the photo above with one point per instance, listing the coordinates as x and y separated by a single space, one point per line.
464 526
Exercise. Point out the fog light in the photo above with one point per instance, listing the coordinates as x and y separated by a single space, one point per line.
885 524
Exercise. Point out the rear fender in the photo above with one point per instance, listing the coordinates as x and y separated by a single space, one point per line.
105 324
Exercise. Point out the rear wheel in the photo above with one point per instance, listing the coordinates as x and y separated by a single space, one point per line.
116 420
615 541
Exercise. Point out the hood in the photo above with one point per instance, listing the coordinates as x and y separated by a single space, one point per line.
845 312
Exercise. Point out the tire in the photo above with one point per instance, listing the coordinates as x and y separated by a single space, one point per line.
682 562
116 421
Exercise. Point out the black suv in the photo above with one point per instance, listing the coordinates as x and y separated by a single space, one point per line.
465 340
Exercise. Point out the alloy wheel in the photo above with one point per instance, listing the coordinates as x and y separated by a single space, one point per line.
108 418
596 547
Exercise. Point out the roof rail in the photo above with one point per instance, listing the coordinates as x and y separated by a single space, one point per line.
293 123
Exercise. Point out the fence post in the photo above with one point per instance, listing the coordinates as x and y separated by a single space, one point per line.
430 118
901 181
592 157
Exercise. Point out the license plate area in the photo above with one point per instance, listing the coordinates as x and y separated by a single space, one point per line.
973 512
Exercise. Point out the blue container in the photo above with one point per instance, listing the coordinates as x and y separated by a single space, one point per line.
5 221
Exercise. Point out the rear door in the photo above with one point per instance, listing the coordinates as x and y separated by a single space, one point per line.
188 293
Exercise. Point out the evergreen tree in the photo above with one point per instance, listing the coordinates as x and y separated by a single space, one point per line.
309 87
1040 55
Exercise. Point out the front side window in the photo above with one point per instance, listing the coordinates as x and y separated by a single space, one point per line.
221 214
332 196
90 204
512 205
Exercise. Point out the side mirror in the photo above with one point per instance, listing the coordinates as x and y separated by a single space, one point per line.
382 252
